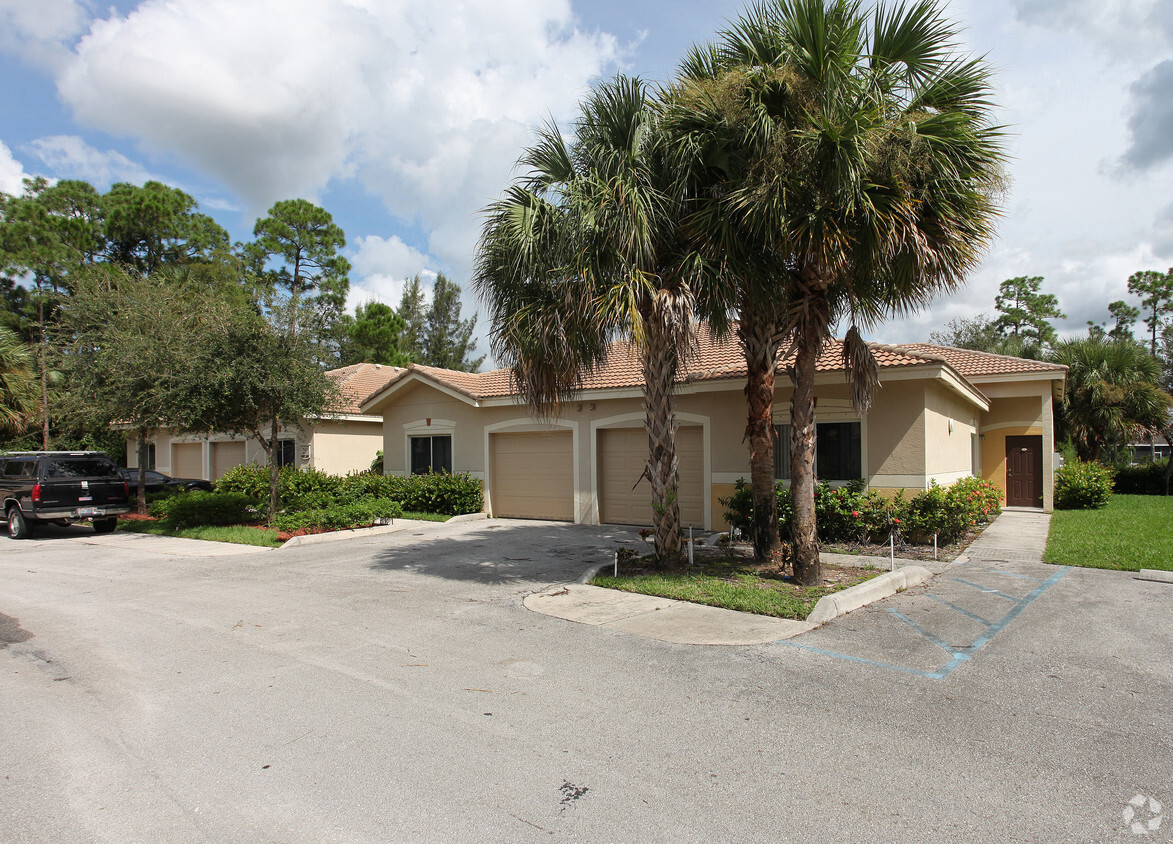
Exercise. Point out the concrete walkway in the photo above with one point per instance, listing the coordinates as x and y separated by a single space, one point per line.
1016 538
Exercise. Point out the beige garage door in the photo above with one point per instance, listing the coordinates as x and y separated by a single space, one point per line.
623 453
533 476
225 456
187 460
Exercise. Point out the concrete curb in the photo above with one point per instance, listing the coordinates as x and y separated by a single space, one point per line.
832 606
1155 575
467 517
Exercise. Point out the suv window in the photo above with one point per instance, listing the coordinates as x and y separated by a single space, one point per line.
81 467
17 468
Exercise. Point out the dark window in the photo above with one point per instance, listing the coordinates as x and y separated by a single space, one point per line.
837 451
431 454
20 469
782 452
81 467
838 454
286 453
150 455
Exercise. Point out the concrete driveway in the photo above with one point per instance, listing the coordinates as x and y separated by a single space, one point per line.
394 689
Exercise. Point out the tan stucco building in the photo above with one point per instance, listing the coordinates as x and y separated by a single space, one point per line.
940 414
346 440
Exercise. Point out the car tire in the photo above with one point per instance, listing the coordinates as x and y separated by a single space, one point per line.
18 525
105 525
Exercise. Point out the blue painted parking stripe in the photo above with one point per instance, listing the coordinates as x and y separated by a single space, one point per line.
1002 571
957 655
961 610
987 590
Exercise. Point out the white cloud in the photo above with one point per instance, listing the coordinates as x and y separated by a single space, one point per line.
382 266
39 31
70 157
11 173
426 105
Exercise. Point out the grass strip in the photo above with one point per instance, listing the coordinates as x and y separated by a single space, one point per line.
1132 532
731 587
426 517
239 534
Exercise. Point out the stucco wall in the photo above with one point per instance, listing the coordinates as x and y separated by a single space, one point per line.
253 452
1023 408
951 423
896 436
342 447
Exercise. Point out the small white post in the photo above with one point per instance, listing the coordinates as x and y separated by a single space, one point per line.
892 551
615 573
690 545
934 547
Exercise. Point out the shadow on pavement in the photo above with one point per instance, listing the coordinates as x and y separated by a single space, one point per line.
505 551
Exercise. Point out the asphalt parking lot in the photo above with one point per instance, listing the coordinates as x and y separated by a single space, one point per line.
393 688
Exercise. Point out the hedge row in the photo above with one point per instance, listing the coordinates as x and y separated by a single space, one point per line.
365 512
849 514
1145 479
300 490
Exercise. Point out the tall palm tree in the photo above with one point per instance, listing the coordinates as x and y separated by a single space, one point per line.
1112 393
848 170
583 249
18 387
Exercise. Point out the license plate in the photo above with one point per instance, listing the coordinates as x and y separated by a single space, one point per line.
90 511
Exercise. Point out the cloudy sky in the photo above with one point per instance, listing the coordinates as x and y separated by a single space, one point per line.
404 117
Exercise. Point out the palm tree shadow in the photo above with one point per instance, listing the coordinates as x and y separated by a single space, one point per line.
505 551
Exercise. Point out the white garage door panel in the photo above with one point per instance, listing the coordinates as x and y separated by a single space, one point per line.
533 476
226 456
623 453
187 460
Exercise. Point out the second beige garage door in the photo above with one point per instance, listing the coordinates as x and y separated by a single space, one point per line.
187 460
226 456
533 476
623 453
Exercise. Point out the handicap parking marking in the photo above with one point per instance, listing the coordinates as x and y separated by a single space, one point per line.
957 655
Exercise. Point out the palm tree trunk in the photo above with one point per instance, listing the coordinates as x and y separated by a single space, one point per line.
761 352
662 465
44 377
804 530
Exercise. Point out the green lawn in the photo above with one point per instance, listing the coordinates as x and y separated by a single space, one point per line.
1133 532
240 534
732 584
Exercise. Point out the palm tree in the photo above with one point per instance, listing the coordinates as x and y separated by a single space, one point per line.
584 249
18 387
1112 394
848 169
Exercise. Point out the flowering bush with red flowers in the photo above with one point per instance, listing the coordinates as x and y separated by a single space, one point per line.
849 513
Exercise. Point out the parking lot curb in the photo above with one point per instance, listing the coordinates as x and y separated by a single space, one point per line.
887 584
1155 575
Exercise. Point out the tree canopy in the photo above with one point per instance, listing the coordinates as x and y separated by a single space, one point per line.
1025 311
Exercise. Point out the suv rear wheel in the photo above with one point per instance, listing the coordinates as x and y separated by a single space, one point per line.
18 525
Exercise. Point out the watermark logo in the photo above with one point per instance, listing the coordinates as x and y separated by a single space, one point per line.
1143 815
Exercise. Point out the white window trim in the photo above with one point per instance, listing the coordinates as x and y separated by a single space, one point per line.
427 428
837 415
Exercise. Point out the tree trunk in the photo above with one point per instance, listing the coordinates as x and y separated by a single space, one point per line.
272 449
141 492
804 531
1168 434
761 353
662 465
44 378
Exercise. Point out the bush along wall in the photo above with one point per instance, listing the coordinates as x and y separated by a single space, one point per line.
850 514
1082 486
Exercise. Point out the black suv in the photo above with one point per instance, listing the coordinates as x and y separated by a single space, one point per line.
61 487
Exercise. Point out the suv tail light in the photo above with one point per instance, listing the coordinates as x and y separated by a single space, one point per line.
36 493
125 488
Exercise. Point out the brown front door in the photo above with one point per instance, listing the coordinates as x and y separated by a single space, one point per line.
1024 471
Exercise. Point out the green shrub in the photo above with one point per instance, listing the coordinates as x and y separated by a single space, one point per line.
848 513
340 516
250 479
196 508
1082 486
1145 479
360 485
439 492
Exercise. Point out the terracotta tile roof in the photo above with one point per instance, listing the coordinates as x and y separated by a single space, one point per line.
358 381
716 360
973 364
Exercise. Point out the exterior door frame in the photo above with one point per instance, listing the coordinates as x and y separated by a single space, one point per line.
1031 474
